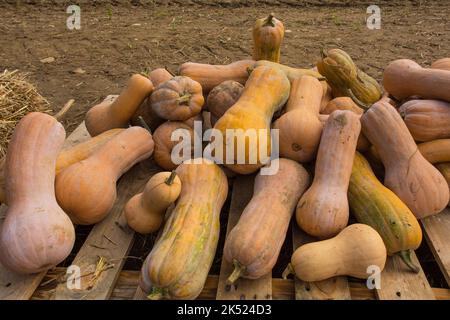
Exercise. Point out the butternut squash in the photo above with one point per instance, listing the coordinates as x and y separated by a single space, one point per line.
350 253
254 244
145 211
290 72
346 79
427 119
222 97
443 64
299 127
177 99
268 35
36 234
444 169
210 76
323 210
86 190
118 114
377 206
265 92
405 78
436 151
413 179
342 103
178 265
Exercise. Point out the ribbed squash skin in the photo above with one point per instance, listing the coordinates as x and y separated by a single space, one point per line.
268 34
346 79
265 92
377 206
178 265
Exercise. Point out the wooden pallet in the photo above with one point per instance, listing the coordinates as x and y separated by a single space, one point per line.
112 240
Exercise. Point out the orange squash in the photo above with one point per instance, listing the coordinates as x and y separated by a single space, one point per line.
405 78
254 244
413 179
300 128
443 64
118 114
222 97
268 34
86 190
177 99
436 151
36 234
323 210
210 76
444 169
342 103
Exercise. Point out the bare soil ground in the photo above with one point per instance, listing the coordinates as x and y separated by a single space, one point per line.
119 38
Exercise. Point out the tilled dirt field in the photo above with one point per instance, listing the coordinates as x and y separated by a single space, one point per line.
117 38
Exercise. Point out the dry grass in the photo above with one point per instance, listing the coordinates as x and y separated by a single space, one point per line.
17 98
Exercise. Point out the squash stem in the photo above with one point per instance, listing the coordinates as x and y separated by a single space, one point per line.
289 270
184 98
236 274
144 124
170 179
405 255
157 294
269 21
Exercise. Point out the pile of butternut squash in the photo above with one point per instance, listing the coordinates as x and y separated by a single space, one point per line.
336 126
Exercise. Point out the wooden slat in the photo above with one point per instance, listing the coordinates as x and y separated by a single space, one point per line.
399 283
244 289
20 287
110 239
331 289
282 289
437 235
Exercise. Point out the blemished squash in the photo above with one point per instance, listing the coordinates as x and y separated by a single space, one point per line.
443 64
86 190
405 78
346 79
177 99
299 127
377 206
254 244
342 103
145 110
323 210
413 179
350 253
222 97
265 92
178 265
426 119
145 211
106 116
164 144
444 168
290 72
36 234
210 76
268 35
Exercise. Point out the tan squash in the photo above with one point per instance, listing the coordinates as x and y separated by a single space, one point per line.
210 76
86 190
145 110
254 244
177 99
290 72
145 211
265 92
436 151
178 265
299 127
222 97
36 234
106 116
323 210
443 64
268 35
405 78
426 119
444 169
413 179
350 253
342 103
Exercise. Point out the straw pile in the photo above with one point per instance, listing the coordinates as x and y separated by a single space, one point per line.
17 98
